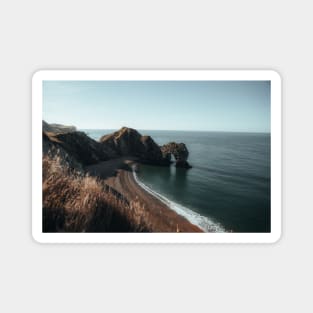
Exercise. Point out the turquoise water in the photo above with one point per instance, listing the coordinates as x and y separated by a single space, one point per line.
229 183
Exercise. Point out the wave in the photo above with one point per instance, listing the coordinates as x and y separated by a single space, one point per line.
205 223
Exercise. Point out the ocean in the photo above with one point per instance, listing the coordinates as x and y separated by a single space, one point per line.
228 186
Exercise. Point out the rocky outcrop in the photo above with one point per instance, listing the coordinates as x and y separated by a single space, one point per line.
78 146
179 151
78 149
152 152
126 141
57 128
129 142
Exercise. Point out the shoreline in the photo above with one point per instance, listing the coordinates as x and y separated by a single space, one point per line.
119 174
204 223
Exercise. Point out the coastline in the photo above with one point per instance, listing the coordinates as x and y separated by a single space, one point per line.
204 223
119 174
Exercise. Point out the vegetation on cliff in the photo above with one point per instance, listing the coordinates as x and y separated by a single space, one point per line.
75 202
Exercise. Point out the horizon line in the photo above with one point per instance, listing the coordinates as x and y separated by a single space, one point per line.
182 130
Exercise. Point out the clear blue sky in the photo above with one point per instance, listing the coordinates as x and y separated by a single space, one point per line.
170 105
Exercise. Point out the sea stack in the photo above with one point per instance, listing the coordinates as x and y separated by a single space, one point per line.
179 151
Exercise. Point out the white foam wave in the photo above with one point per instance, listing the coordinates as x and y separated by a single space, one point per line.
205 223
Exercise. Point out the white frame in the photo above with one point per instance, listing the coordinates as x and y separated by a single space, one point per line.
214 75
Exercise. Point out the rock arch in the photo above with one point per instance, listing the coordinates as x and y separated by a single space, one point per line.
179 151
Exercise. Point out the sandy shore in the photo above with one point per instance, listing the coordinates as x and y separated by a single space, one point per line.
118 174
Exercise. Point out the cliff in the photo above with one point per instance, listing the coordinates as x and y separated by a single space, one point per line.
57 128
129 142
76 147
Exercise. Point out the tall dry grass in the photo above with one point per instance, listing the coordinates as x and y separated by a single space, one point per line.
75 202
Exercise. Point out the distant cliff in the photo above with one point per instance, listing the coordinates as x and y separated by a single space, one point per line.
57 128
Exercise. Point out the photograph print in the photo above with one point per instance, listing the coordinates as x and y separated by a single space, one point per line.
173 156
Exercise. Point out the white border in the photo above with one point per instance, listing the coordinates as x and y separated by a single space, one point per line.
221 75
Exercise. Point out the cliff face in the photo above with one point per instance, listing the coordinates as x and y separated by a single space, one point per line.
78 146
52 148
152 152
129 142
126 141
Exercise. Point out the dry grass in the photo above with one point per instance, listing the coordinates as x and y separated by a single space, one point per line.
75 202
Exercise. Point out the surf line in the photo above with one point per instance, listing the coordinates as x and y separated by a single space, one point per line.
205 223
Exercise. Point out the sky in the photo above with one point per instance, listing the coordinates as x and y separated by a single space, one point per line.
242 106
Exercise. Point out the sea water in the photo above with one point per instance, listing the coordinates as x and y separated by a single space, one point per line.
228 186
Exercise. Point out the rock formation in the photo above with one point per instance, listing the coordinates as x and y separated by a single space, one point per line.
179 151
152 152
79 150
78 146
126 141
129 142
